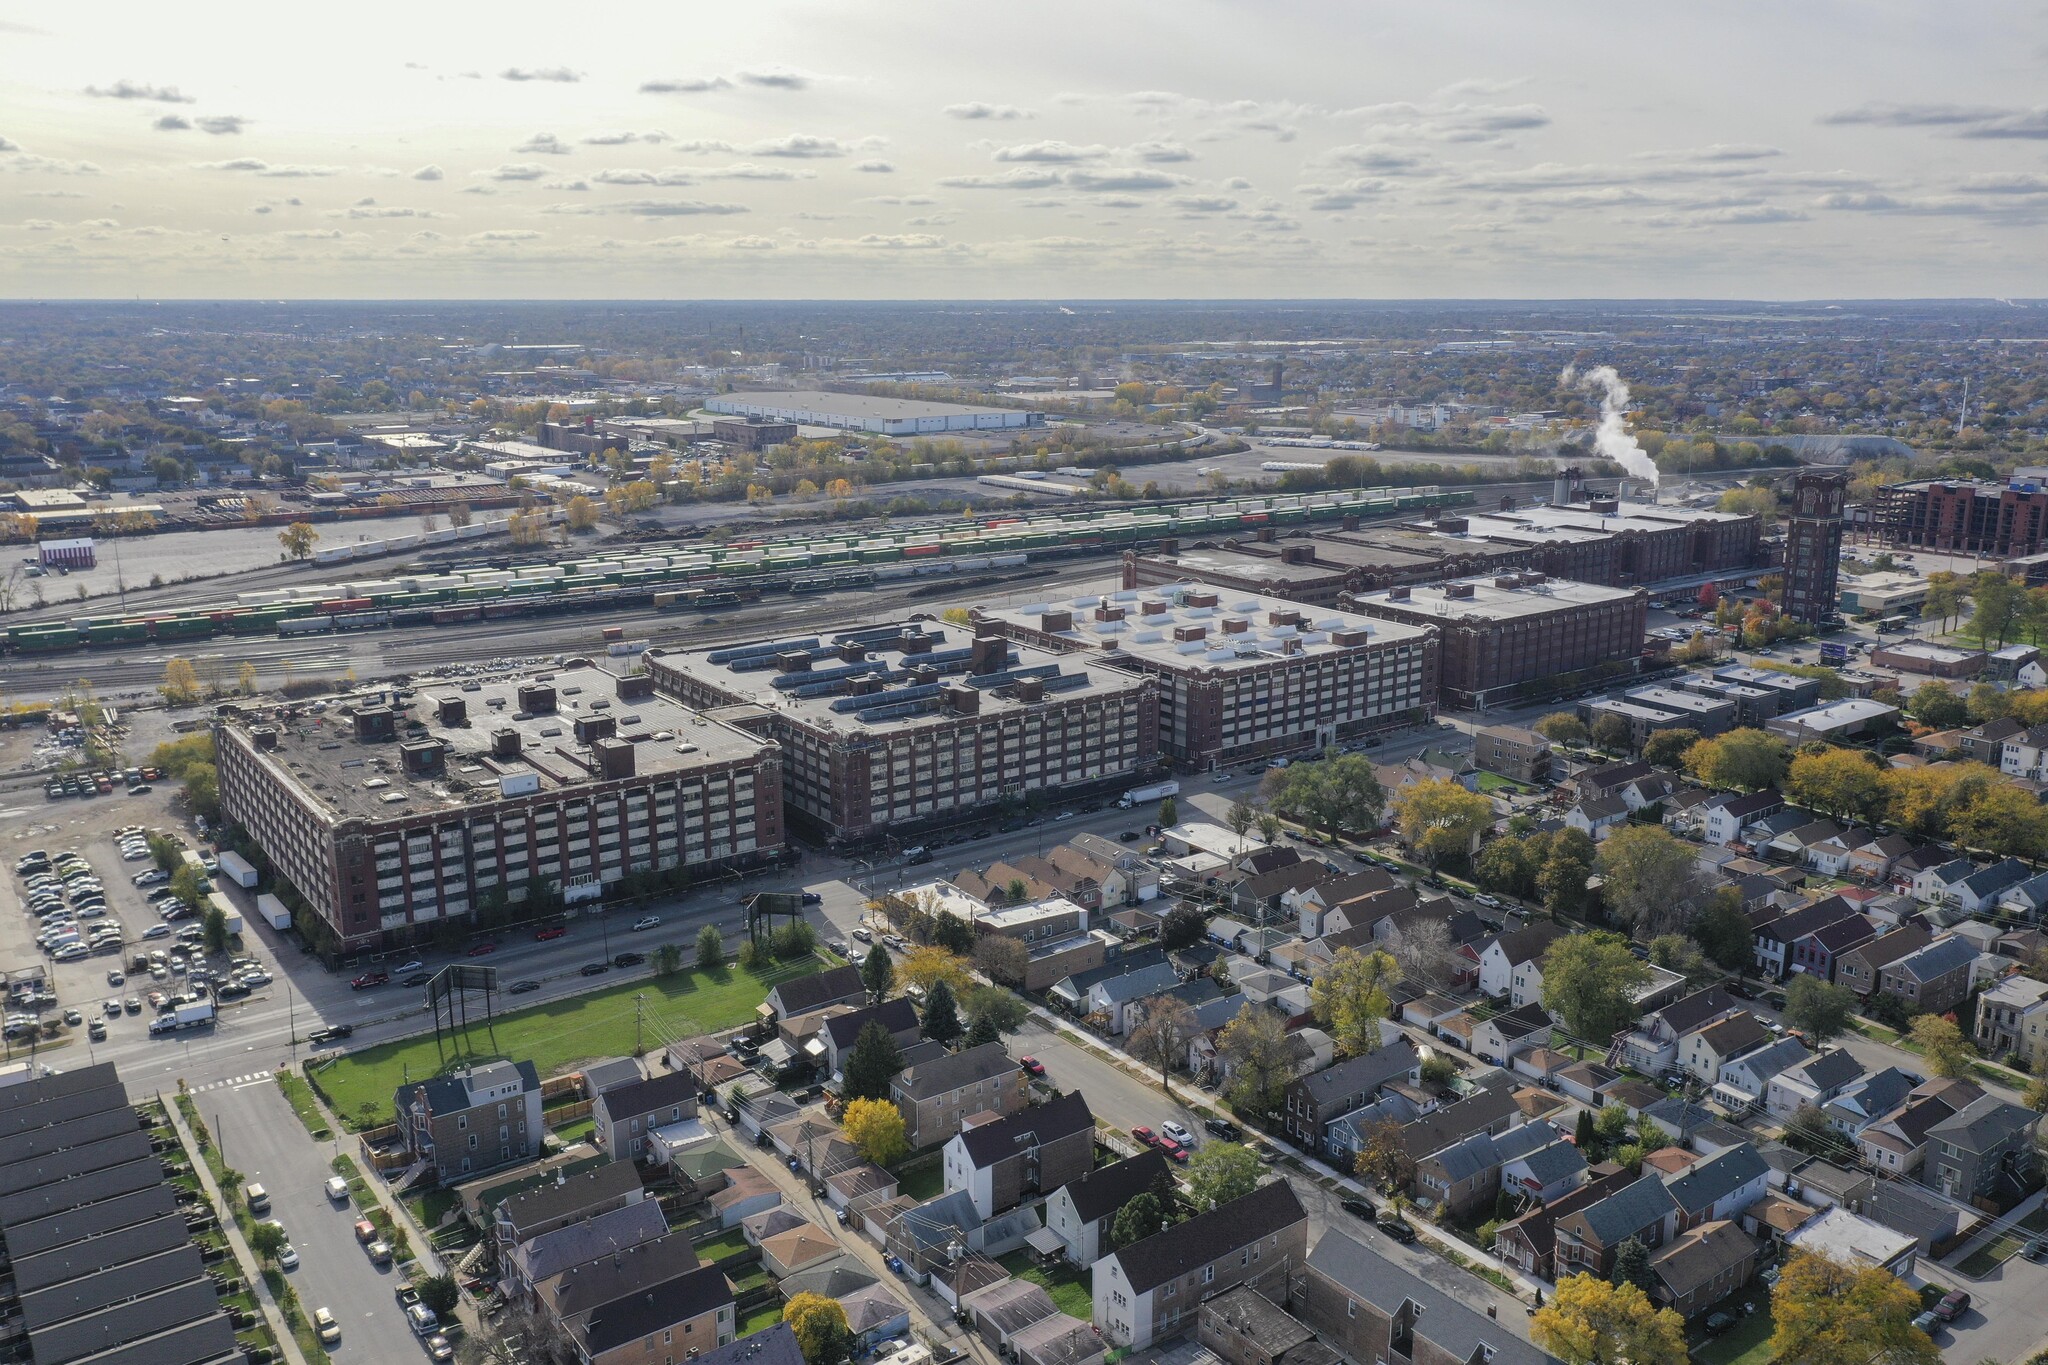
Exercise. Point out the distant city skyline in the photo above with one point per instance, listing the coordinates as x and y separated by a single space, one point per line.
1056 150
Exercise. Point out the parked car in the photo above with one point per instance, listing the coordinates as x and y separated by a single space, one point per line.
629 959
333 1033
1358 1208
1928 1322
1223 1128
365 981
479 949
1146 1136
647 922
1173 1150
596 968
1397 1228
1953 1305
522 987
326 1326
337 1188
1032 1065
549 932
1178 1133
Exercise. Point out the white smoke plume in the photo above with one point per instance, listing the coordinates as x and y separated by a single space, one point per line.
1612 438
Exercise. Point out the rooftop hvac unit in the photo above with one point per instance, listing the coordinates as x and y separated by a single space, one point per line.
1191 647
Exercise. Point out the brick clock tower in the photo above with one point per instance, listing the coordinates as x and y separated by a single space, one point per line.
1813 544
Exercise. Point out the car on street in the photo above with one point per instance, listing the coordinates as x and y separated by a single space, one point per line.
551 931
1178 1133
647 922
522 987
330 1034
1174 1150
421 1319
438 1348
813 898
1928 1322
1032 1065
113 1005
417 979
1146 1136
1358 1208
324 1324
97 1030
1397 1228
337 1188
367 980
1223 1128
596 968
404 967
864 936
479 949
1953 1305
287 1257
629 959
380 1252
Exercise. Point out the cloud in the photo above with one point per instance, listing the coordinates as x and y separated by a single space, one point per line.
54 166
799 145
314 234
978 110
2005 182
253 166
1379 159
9 145
1019 179
560 74
1111 179
132 90
1479 85
1237 182
651 208
914 200
1340 198
516 170
504 235
429 172
747 170
1160 153
367 210
698 146
40 225
776 78
1884 114
626 175
685 85
1452 122
1717 151
1202 203
620 139
2031 125
752 244
875 167
906 241
1056 153
1916 205
100 223
575 186
172 123
544 144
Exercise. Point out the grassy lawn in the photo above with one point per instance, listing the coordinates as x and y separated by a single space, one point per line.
2005 1245
1494 782
761 1319
300 1096
922 1179
730 1243
1070 1293
430 1208
577 1131
1748 1342
557 1035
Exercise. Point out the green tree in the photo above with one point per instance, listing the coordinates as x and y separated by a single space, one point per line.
820 1326
1589 981
1948 1053
1612 733
1944 598
1746 760
440 1293
710 948
1510 866
216 928
1169 813
995 1008
872 1064
1666 748
1256 1045
1632 1265
1351 998
1562 727
1439 819
1183 926
1999 606
952 933
878 974
1651 877
2003 819
1219 1172
1847 784
266 1239
1986 702
941 1014
1677 953
1817 1008
1139 1218
1722 930
1565 871
1336 793
297 540
668 959
1936 704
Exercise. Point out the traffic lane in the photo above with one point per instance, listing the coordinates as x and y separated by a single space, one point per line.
2004 1320
261 1138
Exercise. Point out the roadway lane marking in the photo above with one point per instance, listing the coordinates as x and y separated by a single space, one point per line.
232 1082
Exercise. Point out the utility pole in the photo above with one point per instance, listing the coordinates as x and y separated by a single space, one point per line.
639 1016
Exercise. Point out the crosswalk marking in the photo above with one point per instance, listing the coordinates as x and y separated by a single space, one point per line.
236 1082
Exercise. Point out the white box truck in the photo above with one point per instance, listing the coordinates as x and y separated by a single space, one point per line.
1158 791
236 869
273 912
186 1014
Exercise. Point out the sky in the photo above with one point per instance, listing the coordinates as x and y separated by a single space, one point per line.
963 149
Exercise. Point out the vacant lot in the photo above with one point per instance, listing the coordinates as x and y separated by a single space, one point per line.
558 1035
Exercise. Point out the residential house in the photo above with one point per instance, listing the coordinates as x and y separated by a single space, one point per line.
1986 743
1508 1035
809 994
1651 1047
1243 1327
1485 1111
1529 1241
1908 869
1934 979
1985 1150
1896 1144
618 1269
1772 940
1512 957
1349 1134
1150 1289
1811 1083
1720 1186
2010 1018
1587 1238
692 1312
1314 904
797 1249
1703 1052
473 1119
1313 1101
1933 885
1982 889
2026 900
1140 878
1703 1266
1080 1210
1793 843
1871 862
1863 1102
1112 884
1850 1239
2025 755
541 1209
898 1017
1607 779
540 1258
934 1096
1860 968
1512 751
1260 897
624 1115
1116 986
1831 856
1371 1309
1745 1079
1594 816
1006 1161
1466 1176
1546 1174
1815 951
1728 814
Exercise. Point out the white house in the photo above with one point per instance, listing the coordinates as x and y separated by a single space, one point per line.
1728 813
1744 1079
1815 1082
2025 754
1703 1052
1516 952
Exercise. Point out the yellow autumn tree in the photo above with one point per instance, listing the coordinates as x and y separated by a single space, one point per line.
1827 1313
1591 1322
876 1127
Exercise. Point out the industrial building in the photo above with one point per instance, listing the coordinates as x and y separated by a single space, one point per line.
884 728
100 1260
1964 516
1242 677
1813 544
1320 568
1617 544
1518 636
395 811
860 412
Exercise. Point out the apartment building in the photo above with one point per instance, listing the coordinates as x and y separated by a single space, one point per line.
886 727
395 812
1371 1309
1512 751
936 1095
625 1114
1151 1289
1241 676
471 1120
1003 1162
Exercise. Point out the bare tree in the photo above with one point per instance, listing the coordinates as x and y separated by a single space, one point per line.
1425 952
1163 1038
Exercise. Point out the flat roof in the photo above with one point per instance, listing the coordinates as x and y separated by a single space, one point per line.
1271 568
819 697
1148 635
1932 653
850 404
1488 600
369 778
1848 711
1671 697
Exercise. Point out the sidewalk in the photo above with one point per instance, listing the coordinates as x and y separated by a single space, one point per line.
245 1259
423 1251
1999 1227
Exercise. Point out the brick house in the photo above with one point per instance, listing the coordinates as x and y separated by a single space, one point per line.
934 1096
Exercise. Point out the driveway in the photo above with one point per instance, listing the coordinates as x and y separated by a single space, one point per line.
261 1137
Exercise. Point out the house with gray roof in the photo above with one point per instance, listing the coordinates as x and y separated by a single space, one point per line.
1935 979
472 1120
552 1253
1312 1102
1720 1186
1002 1162
1080 1210
1153 1288
1466 1175
1811 1083
1587 1238
1744 1079
935 1096
1985 1150
1372 1308
1862 1103
1547 1174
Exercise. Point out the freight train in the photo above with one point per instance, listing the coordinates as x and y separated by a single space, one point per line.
711 577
